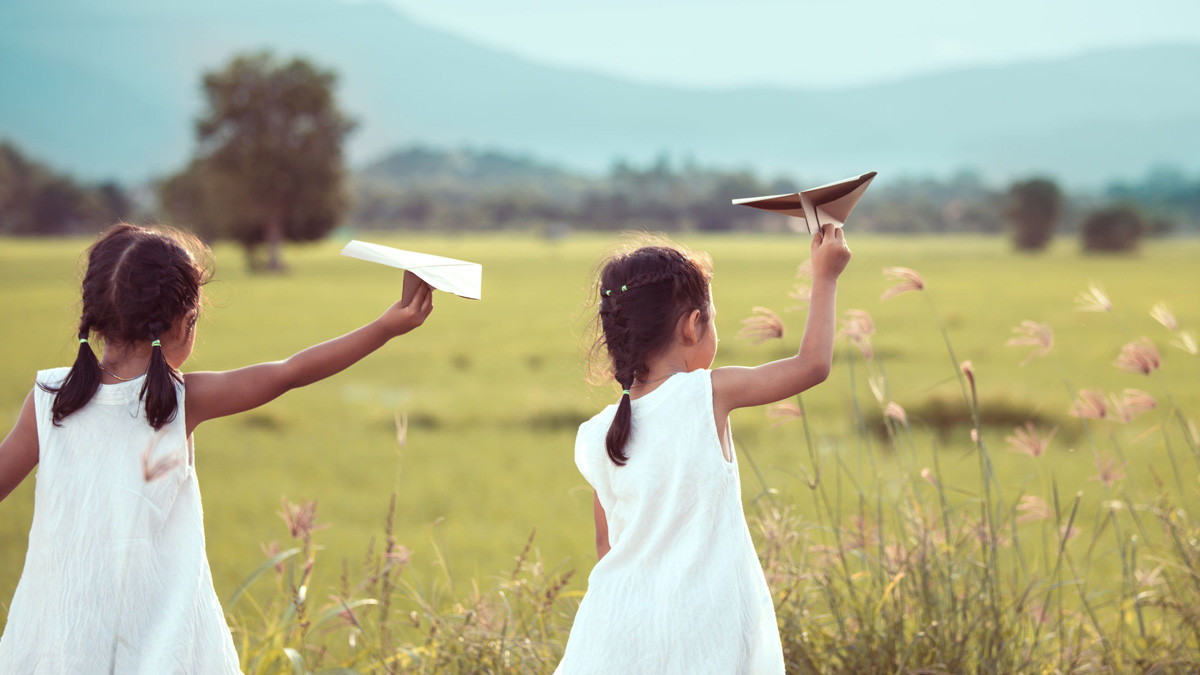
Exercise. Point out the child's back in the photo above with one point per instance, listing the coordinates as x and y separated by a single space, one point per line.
140 569
680 589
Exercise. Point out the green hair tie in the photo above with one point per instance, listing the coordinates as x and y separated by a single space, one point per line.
608 292
623 288
624 392
156 343
83 341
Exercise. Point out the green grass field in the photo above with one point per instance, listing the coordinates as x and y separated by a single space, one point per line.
494 389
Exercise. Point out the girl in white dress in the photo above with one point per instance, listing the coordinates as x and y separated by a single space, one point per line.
678 587
116 578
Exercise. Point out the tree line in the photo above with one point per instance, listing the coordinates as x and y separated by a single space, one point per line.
268 167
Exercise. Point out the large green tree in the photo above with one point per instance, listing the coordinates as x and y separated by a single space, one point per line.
268 165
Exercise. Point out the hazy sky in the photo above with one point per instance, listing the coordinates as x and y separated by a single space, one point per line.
802 42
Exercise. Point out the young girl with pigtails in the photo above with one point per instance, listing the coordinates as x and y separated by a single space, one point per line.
678 587
116 578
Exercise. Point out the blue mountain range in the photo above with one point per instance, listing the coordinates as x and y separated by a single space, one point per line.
111 89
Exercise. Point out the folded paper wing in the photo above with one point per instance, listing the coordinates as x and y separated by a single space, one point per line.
825 205
447 274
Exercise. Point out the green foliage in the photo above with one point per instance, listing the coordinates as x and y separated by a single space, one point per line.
1112 229
269 156
35 200
1034 207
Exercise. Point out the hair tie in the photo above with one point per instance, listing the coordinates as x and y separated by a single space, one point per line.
623 288
83 341
608 292
156 343
624 392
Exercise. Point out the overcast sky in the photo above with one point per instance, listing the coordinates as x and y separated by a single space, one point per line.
716 43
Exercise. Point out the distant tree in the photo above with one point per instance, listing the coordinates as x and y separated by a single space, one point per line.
1033 209
34 200
268 166
713 212
1112 229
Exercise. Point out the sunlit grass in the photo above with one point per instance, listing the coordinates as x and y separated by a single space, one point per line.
494 389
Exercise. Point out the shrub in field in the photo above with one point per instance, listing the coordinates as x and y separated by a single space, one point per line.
1112 229
1033 210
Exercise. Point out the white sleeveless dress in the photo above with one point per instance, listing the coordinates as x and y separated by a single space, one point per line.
115 578
681 590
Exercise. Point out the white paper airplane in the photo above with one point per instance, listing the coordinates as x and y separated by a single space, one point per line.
447 274
824 205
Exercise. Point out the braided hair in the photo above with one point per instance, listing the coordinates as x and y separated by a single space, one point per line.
643 294
139 282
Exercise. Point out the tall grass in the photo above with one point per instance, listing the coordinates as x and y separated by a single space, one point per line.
894 564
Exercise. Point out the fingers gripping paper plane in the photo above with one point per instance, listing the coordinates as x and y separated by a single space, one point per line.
826 205
447 274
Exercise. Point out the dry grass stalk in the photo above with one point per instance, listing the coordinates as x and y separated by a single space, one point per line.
1033 334
1093 300
1139 356
764 325
908 278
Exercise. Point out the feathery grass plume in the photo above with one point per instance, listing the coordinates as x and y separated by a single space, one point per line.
909 281
1089 404
1161 314
928 476
1093 300
1033 334
1109 470
783 412
804 270
301 518
858 327
1029 440
1033 508
1130 404
272 551
878 386
764 325
1139 356
894 411
401 430
802 293
1187 342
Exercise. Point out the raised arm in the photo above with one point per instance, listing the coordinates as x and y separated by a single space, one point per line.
19 450
740 387
217 394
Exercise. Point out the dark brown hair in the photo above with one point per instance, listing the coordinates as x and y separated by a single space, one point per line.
643 294
139 282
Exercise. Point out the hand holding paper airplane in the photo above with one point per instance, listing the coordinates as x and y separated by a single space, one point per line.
447 274
825 205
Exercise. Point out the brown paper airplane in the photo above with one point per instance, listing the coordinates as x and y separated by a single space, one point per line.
825 205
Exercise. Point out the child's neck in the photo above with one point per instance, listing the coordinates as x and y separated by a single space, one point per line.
124 361
659 371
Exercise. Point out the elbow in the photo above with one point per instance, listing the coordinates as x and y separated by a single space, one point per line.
821 373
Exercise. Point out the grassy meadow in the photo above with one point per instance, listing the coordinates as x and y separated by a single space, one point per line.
493 390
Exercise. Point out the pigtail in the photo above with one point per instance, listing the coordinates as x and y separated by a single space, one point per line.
622 425
81 382
158 391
